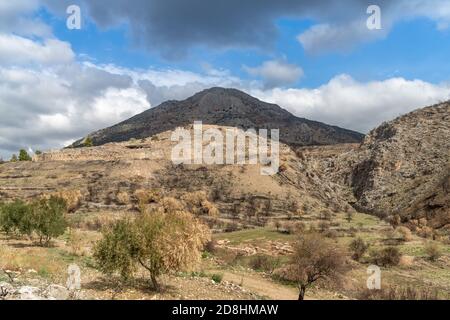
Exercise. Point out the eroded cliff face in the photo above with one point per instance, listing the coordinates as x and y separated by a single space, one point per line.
402 168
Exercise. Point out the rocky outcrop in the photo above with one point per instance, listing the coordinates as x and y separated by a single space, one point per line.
403 167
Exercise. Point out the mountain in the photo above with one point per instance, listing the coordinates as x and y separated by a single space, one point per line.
403 168
224 107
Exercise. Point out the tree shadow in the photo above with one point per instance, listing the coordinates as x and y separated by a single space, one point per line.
118 285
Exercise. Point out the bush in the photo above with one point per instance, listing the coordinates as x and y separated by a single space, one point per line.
160 242
217 278
405 233
399 293
358 248
264 263
433 251
389 256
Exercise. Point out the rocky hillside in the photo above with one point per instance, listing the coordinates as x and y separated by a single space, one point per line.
224 107
403 168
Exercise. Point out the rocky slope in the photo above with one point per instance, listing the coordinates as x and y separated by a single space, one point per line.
403 168
224 107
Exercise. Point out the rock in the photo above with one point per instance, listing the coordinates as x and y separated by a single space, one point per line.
29 293
6 289
57 292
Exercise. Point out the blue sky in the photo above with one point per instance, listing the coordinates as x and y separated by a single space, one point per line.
316 59
413 49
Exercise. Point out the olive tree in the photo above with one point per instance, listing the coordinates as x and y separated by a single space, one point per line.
160 241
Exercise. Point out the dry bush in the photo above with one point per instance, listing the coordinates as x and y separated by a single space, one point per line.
405 233
433 251
73 198
197 202
324 226
400 293
264 263
144 197
325 215
123 198
358 248
75 242
389 256
425 232
331 233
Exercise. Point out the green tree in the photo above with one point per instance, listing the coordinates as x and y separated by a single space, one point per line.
24 156
48 218
88 142
13 158
15 218
160 242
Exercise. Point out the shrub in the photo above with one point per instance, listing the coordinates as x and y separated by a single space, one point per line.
217 278
14 158
160 242
433 251
389 256
24 156
358 248
405 233
264 263
399 293
349 216
324 226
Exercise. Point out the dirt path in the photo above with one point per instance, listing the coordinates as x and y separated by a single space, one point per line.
259 285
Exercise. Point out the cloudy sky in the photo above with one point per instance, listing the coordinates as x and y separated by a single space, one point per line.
316 58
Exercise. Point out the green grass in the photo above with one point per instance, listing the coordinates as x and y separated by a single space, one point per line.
254 235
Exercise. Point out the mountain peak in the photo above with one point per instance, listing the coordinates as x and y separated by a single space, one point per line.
225 107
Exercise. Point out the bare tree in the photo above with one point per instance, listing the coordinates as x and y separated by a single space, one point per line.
315 259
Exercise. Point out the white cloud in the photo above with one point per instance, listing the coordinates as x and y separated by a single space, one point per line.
276 73
337 38
335 35
19 50
355 105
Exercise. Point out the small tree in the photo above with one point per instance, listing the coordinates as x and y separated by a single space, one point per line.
24 156
14 158
358 247
160 242
88 142
48 218
315 259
